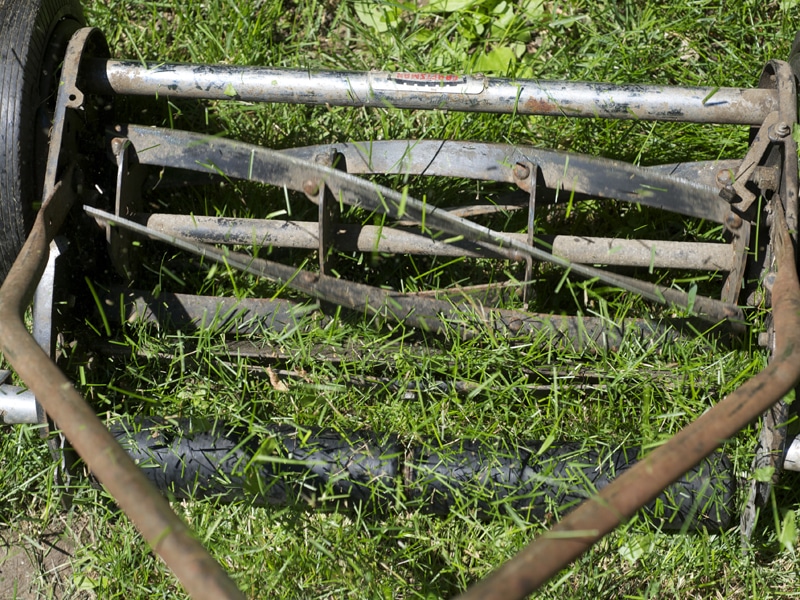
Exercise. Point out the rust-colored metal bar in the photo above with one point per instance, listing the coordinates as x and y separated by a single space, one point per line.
166 534
599 515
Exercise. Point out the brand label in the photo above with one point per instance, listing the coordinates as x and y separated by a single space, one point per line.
427 82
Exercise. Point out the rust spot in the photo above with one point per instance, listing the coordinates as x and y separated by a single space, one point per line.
535 106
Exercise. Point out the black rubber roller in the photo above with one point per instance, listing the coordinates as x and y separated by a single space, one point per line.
321 466
543 485
189 460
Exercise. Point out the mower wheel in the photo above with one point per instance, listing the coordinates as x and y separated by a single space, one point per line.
33 39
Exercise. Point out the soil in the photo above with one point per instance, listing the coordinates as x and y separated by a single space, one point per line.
37 564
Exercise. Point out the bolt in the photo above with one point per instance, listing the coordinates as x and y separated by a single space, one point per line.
725 177
311 188
783 129
521 171
117 144
733 221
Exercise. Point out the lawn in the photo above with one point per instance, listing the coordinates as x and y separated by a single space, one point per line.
341 372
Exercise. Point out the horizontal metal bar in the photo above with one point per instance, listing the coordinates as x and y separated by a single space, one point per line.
471 93
371 238
297 170
187 312
490 162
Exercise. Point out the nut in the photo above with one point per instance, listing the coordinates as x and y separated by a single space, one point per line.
779 131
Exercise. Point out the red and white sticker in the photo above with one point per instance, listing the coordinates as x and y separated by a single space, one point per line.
427 82
428 78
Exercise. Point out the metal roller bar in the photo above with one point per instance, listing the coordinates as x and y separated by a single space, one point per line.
371 238
471 93
183 311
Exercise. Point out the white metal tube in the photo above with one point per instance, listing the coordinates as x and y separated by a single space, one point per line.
470 93
17 405
791 461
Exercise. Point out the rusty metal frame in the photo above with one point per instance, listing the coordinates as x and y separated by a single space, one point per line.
773 107
616 503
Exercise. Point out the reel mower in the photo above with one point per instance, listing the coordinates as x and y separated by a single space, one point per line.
76 203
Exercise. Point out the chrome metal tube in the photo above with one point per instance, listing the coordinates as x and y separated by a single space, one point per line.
471 93
791 461
17 406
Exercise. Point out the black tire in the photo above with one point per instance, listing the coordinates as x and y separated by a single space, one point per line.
33 38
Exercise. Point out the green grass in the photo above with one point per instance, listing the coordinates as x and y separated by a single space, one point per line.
520 389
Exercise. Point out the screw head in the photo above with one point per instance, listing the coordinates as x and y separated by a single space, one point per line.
117 144
310 187
521 171
725 177
733 221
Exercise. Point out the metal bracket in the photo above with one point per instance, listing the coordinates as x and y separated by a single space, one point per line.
127 199
329 214
526 173
740 228
782 148
758 148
